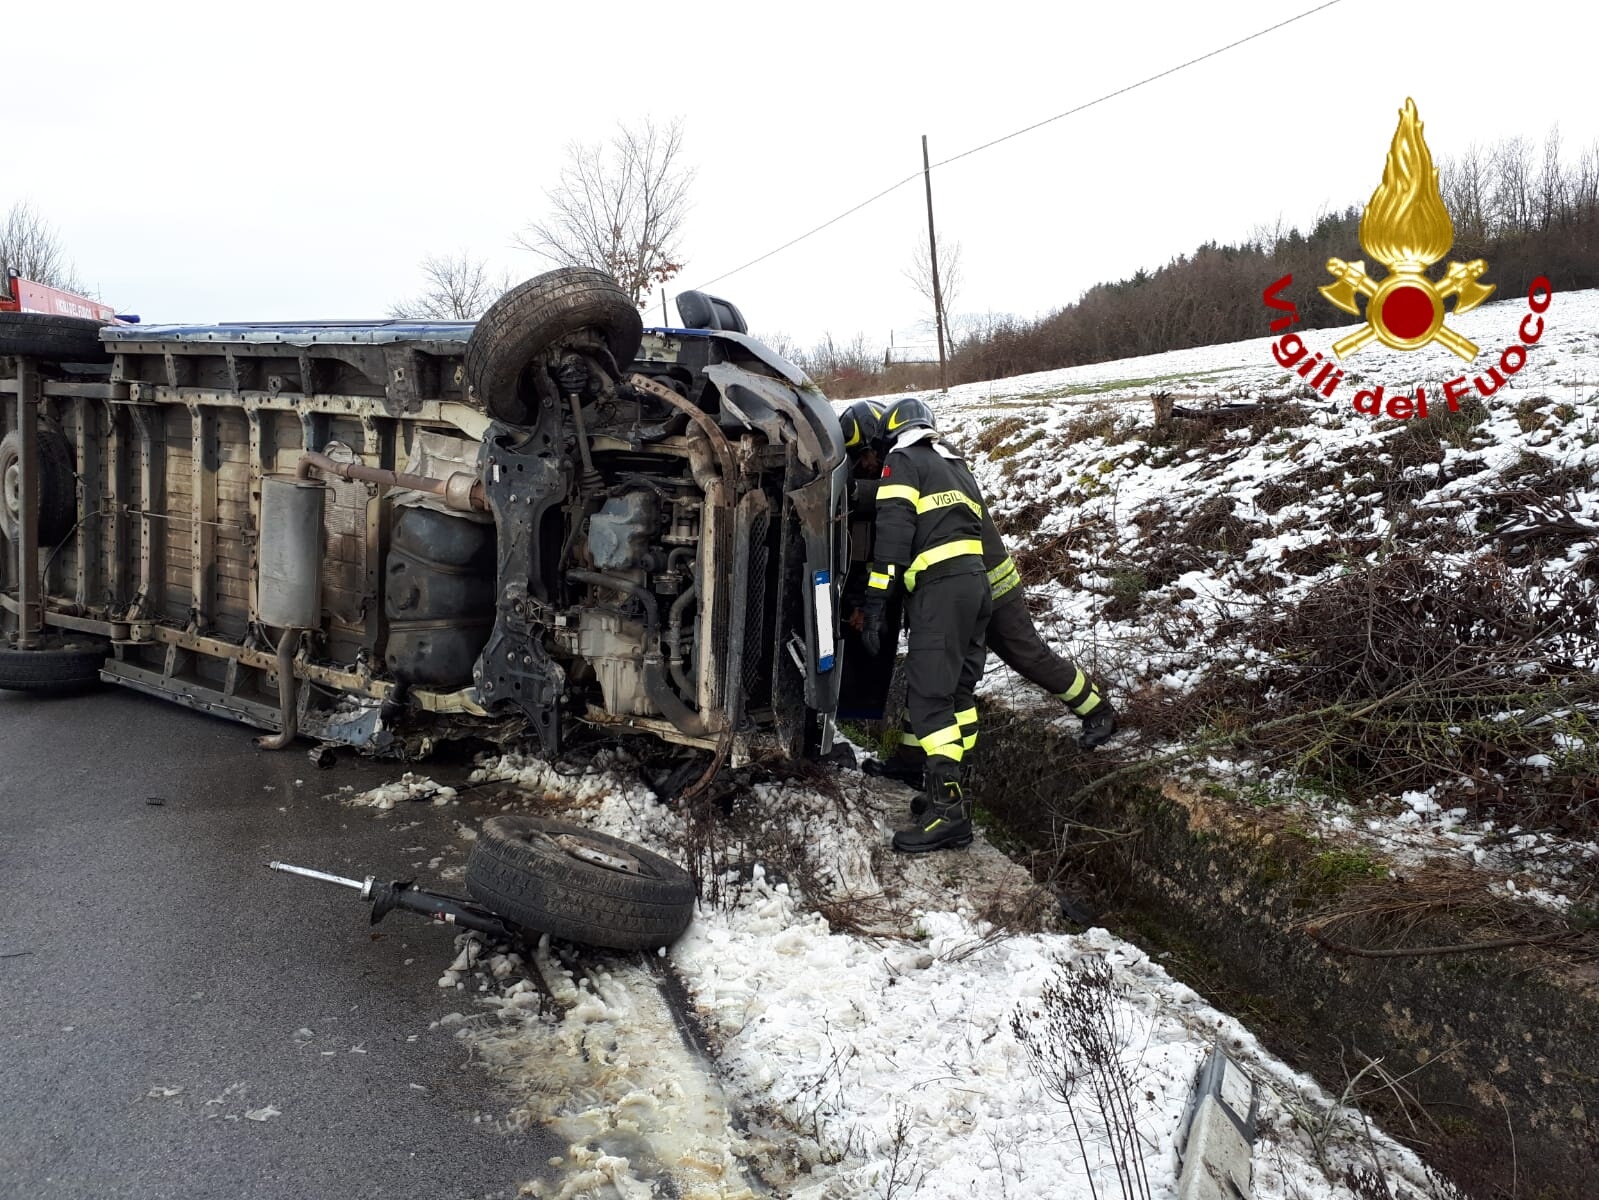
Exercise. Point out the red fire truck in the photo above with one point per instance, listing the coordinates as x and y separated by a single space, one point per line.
23 295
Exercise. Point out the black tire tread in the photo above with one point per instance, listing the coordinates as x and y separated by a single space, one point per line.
532 317
536 884
58 485
53 338
69 667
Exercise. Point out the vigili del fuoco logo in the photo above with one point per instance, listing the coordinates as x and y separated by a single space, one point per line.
1407 229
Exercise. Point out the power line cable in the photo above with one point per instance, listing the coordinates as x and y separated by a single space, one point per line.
1131 86
1309 12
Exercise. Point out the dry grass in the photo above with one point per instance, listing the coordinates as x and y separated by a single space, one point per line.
996 432
1440 905
1053 556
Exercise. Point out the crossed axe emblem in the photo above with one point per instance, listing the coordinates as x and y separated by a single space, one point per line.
1406 310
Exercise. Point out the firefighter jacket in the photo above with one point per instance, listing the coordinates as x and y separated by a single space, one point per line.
930 514
1004 579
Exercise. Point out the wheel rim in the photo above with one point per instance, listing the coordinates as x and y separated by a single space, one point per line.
585 850
13 489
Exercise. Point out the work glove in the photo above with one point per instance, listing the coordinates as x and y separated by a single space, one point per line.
1098 726
872 623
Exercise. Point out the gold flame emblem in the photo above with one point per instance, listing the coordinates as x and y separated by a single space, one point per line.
1407 228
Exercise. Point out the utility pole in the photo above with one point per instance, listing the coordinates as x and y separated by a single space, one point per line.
932 257
664 320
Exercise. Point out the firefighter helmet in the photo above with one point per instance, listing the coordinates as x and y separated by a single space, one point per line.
909 413
862 423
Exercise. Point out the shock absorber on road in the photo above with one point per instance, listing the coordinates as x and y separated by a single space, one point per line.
403 893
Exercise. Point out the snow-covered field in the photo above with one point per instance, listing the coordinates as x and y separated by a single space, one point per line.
1075 455
1110 482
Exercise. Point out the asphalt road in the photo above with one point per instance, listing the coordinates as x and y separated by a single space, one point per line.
145 948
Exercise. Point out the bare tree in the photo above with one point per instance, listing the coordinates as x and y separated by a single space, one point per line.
30 245
1585 185
829 357
843 369
1513 186
620 207
456 289
1464 183
1552 183
920 273
784 345
1265 236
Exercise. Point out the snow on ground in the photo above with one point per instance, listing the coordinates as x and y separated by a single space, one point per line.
1066 482
850 1063
845 1064
407 788
1077 450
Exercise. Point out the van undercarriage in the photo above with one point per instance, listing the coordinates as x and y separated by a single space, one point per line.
384 534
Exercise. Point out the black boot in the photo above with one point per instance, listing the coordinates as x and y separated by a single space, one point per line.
944 823
1098 726
899 767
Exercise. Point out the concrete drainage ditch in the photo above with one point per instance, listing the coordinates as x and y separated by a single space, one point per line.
1497 1051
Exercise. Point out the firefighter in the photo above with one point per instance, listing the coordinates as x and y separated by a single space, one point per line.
927 536
1015 640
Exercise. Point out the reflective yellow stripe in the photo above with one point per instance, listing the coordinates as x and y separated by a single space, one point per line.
947 742
907 738
1082 697
1008 567
1079 685
938 554
967 720
899 491
926 504
1005 578
879 580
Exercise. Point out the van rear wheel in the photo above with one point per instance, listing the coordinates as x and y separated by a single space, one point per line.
60 664
52 338
57 483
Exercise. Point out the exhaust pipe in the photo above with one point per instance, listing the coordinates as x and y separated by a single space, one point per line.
288 712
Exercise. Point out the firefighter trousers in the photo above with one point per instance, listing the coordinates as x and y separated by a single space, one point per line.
1014 639
947 618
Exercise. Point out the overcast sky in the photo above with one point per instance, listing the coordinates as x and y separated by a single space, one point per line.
207 161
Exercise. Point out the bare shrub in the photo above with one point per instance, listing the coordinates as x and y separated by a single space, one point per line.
1408 674
904 1175
1079 1045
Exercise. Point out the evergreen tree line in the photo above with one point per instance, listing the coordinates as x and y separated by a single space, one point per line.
1527 213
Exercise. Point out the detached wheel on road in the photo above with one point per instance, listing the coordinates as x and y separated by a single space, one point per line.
535 317
58 665
573 883
58 484
52 338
